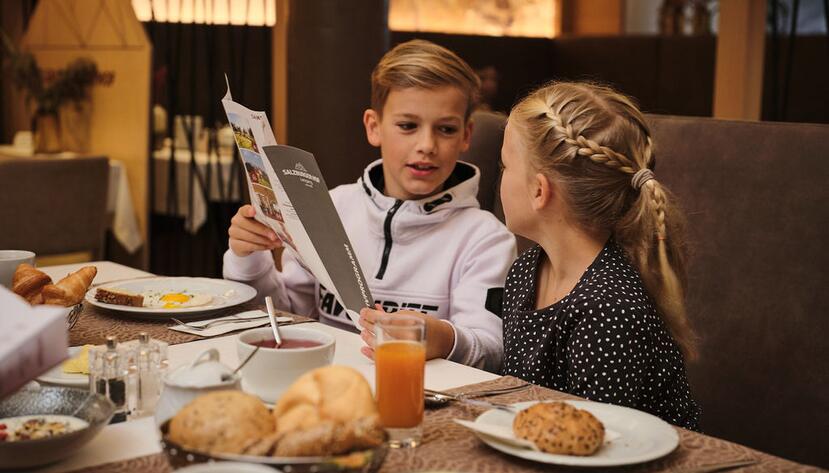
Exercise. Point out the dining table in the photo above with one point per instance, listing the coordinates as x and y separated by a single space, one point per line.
135 445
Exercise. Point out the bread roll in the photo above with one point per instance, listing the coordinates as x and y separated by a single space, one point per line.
28 282
557 427
221 422
333 393
327 411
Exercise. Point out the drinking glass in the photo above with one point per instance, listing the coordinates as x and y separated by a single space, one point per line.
400 358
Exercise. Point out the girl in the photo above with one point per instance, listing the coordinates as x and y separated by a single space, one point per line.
596 308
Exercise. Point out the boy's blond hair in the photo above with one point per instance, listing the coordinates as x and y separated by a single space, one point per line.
594 142
422 64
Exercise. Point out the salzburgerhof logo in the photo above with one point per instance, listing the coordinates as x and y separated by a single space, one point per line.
300 171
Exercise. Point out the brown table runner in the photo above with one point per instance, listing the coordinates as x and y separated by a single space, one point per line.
450 447
95 324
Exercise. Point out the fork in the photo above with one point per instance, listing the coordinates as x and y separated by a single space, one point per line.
216 322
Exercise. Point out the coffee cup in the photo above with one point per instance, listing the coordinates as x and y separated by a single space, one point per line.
9 261
272 370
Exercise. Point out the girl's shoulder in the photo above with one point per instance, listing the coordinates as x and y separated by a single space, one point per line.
614 288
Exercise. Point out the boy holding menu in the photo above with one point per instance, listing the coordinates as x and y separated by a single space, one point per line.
426 247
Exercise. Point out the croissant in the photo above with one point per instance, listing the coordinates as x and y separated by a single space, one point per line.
28 282
71 289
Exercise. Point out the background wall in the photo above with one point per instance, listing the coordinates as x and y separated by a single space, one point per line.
332 48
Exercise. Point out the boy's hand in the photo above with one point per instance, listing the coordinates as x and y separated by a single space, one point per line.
440 337
247 235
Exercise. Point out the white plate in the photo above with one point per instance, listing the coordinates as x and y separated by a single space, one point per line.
644 437
225 294
56 376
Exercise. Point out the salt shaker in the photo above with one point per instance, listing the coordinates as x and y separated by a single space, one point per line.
147 368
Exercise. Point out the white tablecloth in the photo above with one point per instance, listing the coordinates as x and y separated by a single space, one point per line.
139 437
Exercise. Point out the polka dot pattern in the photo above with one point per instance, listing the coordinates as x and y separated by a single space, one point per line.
603 341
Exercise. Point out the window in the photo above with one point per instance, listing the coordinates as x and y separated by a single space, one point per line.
216 12
538 18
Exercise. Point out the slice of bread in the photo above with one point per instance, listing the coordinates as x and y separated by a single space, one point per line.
119 297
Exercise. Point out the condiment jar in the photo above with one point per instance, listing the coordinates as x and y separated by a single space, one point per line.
185 383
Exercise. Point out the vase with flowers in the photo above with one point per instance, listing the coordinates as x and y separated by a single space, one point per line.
60 100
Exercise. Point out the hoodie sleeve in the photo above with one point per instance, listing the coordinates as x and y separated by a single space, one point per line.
292 289
479 332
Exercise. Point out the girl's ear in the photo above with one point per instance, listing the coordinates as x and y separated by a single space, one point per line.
371 120
541 191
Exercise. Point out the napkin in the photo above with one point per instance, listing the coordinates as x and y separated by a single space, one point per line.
260 318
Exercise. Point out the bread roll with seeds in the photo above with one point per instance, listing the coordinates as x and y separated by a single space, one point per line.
557 427
221 422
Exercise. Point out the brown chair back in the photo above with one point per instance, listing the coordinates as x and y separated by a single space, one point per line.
485 152
755 194
52 205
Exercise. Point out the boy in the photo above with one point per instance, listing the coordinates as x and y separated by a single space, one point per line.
414 221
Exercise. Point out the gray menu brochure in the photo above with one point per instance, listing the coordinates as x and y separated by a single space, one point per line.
310 203
289 195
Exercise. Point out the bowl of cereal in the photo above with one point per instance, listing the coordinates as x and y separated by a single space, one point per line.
46 425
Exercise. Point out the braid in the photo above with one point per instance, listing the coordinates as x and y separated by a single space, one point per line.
658 198
589 148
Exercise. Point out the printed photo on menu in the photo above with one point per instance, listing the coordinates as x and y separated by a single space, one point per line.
243 132
262 194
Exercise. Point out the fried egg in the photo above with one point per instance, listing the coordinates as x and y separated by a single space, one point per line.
175 300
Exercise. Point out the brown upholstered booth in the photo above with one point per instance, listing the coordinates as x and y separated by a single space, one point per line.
53 205
756 198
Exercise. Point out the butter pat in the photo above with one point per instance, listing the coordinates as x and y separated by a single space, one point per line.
79 363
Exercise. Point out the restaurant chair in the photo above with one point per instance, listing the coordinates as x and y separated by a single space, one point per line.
756 198
485 153
54 205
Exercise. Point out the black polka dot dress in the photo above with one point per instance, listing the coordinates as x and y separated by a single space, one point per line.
603 341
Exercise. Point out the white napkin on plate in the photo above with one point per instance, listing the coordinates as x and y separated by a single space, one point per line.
219 329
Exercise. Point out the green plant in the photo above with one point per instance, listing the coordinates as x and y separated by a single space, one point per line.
49 92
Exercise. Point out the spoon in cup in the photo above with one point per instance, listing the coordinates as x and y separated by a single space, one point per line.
274 324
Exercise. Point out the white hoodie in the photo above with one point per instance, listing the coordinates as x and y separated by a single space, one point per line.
439 255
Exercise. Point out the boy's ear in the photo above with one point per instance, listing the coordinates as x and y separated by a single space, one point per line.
371 120
467 135
541 191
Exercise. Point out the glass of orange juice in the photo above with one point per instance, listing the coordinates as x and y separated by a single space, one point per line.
400 358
